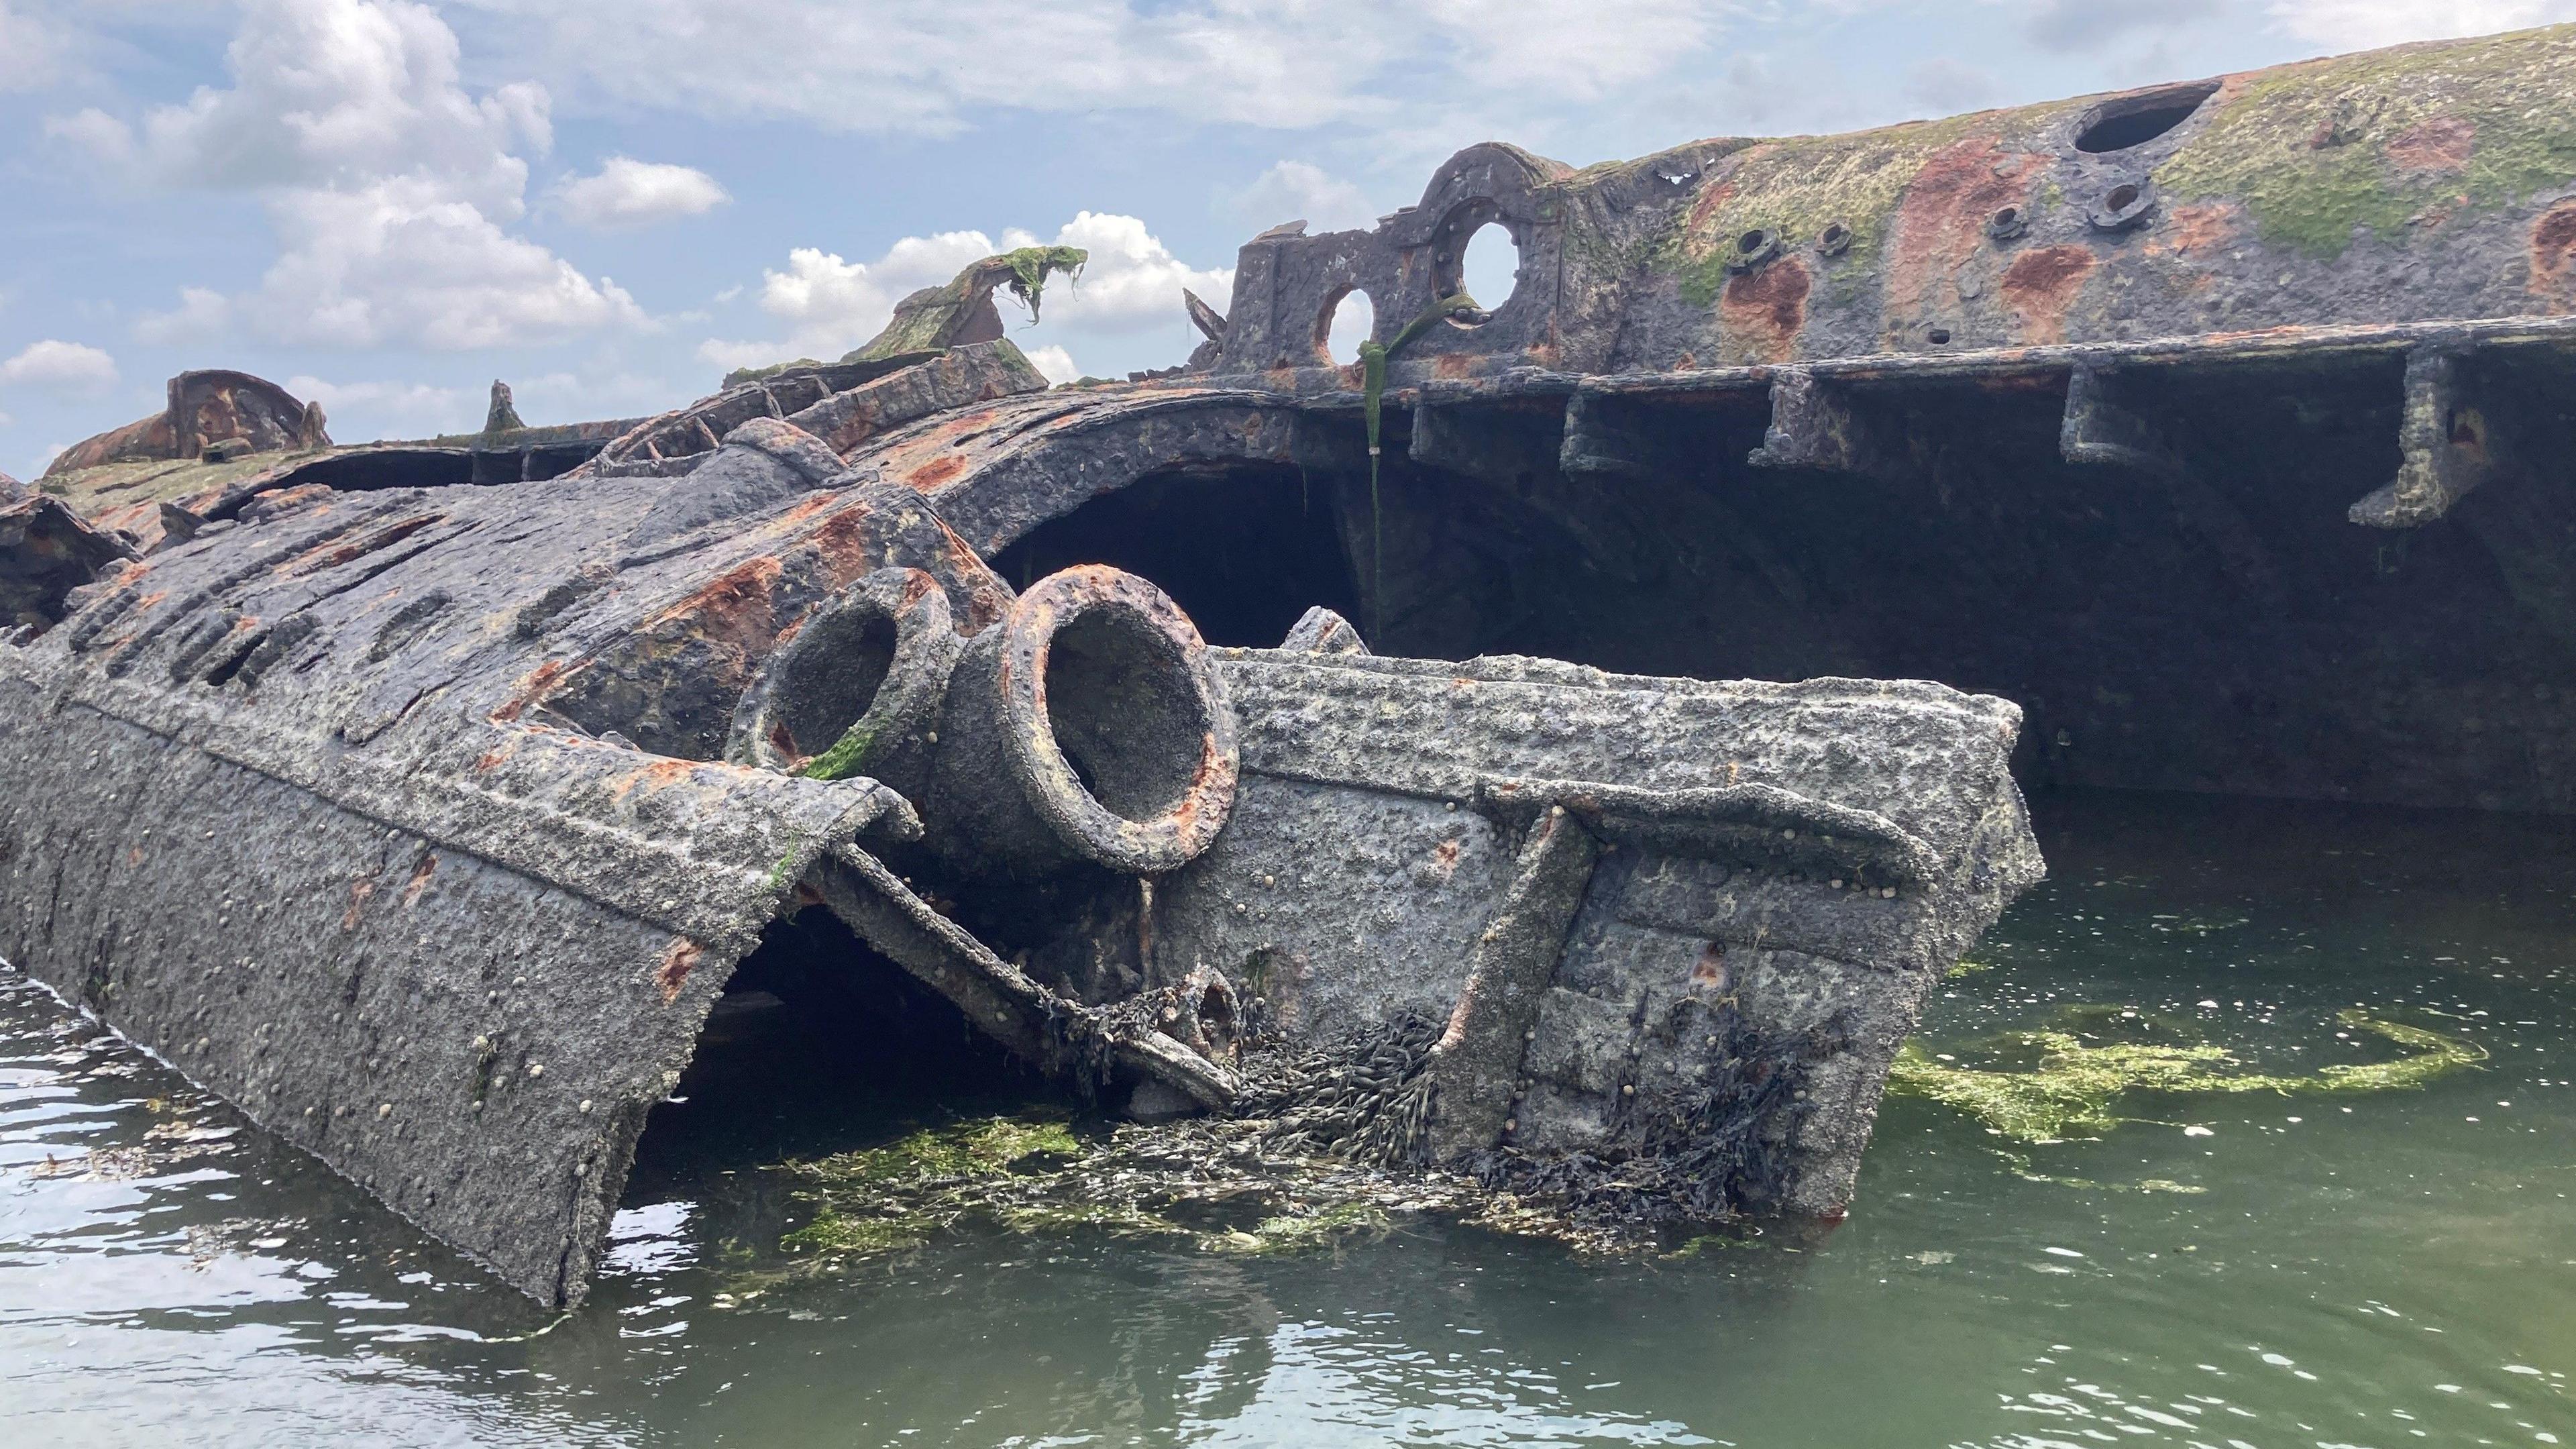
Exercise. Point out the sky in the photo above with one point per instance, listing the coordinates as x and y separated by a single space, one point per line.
387 204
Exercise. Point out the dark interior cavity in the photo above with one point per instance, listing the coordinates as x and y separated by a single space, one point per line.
830 679
2119 125
2218 626
1244 550
816 1032
1125 710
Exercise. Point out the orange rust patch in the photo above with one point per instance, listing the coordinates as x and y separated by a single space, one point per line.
1453 365
1705 209
350 552
935 472
2040 285
360 890
2197 229
1444 859
1709 972
677 963
531 689
1766 309
134 856
2553 257
420 875
2439 145
1942 221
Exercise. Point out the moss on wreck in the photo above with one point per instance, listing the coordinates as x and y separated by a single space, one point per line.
741 375
847 756
1030 267
2071 1085
1797 186
2315 152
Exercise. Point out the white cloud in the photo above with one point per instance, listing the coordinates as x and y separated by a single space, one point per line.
1132 281
929 66
831 305
202 315
389 186
1054 363
64 367
33 48
627 192
2363 24
1301 190
413 407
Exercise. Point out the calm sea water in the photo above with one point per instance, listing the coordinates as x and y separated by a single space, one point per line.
2370 1269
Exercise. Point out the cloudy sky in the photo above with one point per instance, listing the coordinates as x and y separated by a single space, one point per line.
386 204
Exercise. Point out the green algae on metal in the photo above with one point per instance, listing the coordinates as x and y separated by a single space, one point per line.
1031 265
2071 1086
846 757
2314 150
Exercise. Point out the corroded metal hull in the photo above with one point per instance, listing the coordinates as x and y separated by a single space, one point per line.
2208 425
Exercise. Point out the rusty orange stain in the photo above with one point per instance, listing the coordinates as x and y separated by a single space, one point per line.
2434 147
2040 285
359 891
1453 365
531 689
420 875
1709 971
1766 309
134 856
2197 229
935 472
1444 858
677 963
2553 258
1942 222
1712 198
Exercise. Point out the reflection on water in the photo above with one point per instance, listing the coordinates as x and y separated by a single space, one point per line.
2220 1268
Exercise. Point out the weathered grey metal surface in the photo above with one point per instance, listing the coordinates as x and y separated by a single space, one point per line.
1806 858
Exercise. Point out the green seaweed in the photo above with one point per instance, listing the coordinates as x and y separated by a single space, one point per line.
2071 1086
1029 267
1373 358
847 756
1303 1231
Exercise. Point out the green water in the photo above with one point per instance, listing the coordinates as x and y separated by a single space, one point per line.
2376 1268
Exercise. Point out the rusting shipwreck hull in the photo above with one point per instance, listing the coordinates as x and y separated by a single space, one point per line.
426 825
2205 434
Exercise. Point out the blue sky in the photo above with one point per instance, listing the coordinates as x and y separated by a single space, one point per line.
386 204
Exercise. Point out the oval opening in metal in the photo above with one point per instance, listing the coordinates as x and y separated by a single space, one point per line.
2136 120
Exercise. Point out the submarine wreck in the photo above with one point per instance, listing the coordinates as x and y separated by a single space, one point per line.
1620 693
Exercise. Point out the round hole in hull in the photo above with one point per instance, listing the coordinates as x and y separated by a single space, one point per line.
2136 120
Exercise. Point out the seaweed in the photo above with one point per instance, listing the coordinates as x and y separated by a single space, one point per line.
2071 1086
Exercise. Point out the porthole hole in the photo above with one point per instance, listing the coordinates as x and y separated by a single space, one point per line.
1347 323
1490 270
2136 120
2121 198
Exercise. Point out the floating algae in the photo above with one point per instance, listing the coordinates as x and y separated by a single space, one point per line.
1212 1184
2071 1086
